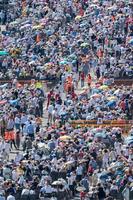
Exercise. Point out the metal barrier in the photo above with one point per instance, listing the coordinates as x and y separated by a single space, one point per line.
125 125
123 82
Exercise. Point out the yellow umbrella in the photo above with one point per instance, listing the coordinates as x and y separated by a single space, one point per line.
65 137
38 85
37 27
112 98
104 87
78 17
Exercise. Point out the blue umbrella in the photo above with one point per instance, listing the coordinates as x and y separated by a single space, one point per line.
104 175
116 165
100 135
95 91
64 62
129 140
131 41
73 56
13 102
4 86
49 32
111 104
74 61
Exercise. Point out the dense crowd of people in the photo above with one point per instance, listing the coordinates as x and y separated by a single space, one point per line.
82 46
51 37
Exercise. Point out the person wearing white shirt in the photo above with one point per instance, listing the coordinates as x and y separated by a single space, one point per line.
23 120
71 182
79 172
117 146
15 175
18 158
47 190
21 180
11 197
17 122
7 147
50 111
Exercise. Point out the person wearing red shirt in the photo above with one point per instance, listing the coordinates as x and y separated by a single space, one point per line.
50 94
89 79
82 195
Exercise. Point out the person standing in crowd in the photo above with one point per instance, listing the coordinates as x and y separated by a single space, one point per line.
89 80
82 77
11 197
101 192
30 130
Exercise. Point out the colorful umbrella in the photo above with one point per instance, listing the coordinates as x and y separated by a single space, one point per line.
37 27
2 102
80 189
117 91
103 87
95 96
69 163
116 165
131 41
49 64
73 56
4 86
65 137
64 62
100 135
13 102
129 140
25 26
95 90
78 17
74 61
111 103
14 23
104 175
49 32
85 44
19 85
38 85
112 98
26 22
57 183
3 53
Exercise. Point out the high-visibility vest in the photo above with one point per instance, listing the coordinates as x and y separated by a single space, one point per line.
38 39
9 135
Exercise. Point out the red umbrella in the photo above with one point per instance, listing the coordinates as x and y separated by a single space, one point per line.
19 85
3 102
